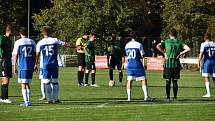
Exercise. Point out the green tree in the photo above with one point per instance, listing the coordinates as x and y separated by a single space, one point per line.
11 12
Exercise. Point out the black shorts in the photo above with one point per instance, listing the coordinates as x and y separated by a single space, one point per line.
91 65
115 63
81 60
6 71
171 73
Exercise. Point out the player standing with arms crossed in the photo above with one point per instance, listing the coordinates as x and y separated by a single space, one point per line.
134 51
172 49
90 60
5 62
81 57
24 50
207 57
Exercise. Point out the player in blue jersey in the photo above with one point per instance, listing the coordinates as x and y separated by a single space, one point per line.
47 49
207 57
134 51
25 51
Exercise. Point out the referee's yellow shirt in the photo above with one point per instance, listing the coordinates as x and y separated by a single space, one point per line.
80 42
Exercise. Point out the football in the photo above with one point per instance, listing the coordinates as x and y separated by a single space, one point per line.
111 83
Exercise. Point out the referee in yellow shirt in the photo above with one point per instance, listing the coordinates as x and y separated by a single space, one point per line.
80 44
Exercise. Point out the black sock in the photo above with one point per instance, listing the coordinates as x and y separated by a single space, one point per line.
175 88
120 76
93 76
111 74
2 90
82 77
168 86
86 78
5 91
79 77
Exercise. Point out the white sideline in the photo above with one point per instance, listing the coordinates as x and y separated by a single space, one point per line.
104 105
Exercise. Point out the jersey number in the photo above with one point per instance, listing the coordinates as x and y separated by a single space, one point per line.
211 52
27 51
49 50
131 54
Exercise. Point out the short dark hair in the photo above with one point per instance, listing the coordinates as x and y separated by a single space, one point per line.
207 36
9 27
92 34
173 32
132 34
85 33
23 30
46 29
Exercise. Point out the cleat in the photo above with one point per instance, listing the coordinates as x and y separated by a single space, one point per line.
49 102
148 99
207 95
29 103
57 101
81 84
129 100
86 85
24 104
167 100
6 101
94 85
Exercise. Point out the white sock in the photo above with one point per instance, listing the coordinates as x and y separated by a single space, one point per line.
55 91
207 85
24 95
145 91
48 91
129 94
43 90
28 93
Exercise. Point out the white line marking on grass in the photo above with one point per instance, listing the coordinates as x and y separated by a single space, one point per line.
102 105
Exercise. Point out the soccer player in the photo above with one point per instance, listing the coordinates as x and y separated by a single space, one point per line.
47 49
115 58
134 51
5 62
207 57
90 60
81 57
172 49
24 50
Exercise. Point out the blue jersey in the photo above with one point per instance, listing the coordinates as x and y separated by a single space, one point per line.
25 48
134 51
48 50
208 50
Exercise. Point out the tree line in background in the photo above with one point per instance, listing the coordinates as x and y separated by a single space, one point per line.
69 19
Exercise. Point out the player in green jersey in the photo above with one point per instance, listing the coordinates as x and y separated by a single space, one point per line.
5 62
90 60
114 58
172 49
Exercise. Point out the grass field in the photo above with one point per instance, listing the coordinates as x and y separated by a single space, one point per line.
109 103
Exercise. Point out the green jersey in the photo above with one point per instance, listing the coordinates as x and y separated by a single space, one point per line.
5 50
115 52
172 47
90 51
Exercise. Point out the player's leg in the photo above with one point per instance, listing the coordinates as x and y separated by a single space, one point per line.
176 77
119 67
87 72
24 94
93 75
28 92
207 70
130 78
4 89
129 88
167 77
42 86
46 79
80 73
55 82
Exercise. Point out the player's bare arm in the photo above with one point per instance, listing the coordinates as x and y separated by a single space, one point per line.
15 63
159 47
37 55
186 49
200 59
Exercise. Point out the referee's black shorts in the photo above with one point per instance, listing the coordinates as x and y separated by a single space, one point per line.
116 63
6 70
171 73
81 59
